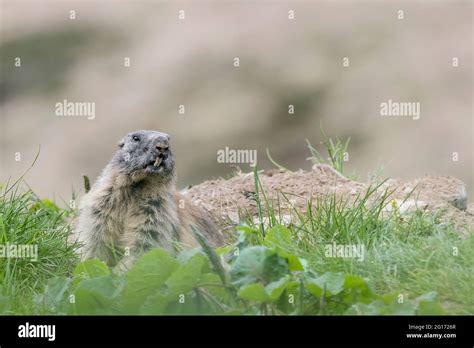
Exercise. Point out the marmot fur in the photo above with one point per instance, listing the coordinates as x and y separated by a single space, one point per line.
134 205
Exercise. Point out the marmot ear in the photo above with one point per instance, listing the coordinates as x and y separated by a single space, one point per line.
121 143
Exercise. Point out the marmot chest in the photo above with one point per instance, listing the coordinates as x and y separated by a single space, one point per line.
152 221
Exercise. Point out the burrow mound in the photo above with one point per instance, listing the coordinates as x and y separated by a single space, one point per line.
228 201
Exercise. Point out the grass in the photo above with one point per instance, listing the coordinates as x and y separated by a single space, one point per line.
411 254
27 220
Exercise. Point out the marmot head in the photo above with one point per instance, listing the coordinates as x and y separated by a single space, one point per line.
144 154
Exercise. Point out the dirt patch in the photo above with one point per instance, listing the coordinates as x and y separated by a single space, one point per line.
230 200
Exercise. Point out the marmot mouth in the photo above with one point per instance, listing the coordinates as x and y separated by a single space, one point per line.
157 162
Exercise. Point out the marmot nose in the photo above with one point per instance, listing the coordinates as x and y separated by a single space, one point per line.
162 147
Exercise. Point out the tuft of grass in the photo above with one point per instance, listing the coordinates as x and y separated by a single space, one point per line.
337 151
41 224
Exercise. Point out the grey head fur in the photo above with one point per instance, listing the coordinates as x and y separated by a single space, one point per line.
145 154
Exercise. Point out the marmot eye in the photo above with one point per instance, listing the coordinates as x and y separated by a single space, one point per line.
136 138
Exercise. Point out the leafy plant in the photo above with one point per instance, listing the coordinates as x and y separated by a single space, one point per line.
262 279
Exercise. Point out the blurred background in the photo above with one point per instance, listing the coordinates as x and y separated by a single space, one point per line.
190 62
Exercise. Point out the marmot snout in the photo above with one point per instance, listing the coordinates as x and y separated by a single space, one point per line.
134 205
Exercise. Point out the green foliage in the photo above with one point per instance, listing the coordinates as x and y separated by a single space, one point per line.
147 275
27 221
262 283
258 263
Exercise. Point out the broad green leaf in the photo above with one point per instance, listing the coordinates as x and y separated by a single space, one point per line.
332 282
91 269
257 292
155 304
186 304
254 292
314 288
356 289
295 263
147 275
278 236
275 289
186 276
354 282
95 295
188 254
258 264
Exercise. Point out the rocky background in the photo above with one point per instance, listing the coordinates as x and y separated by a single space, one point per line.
190 62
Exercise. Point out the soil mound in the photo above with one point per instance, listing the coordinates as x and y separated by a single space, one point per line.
230 200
